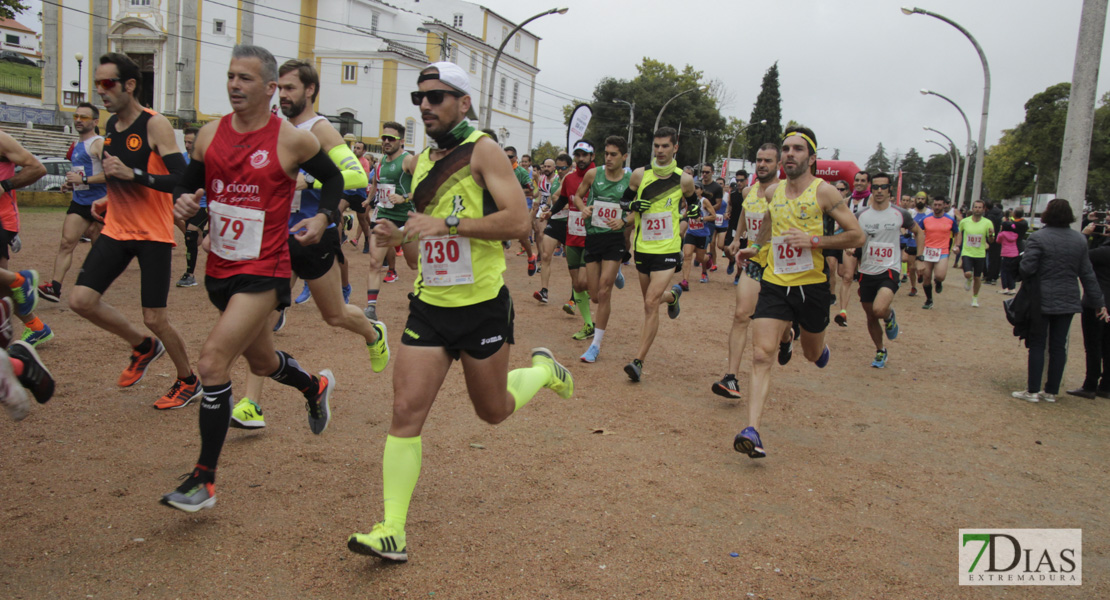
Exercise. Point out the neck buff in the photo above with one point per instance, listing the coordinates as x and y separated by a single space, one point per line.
452 138
858 195
662 170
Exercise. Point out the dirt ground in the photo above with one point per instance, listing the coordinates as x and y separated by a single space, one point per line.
870 474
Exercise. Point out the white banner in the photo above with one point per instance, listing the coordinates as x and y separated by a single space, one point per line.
579 121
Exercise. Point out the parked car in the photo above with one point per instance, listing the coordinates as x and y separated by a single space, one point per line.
56 169
16 57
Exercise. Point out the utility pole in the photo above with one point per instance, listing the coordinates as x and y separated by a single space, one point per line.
1072 182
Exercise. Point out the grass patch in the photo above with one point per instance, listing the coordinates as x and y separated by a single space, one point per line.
20 79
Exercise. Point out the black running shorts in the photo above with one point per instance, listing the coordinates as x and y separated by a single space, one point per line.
82 210
108 258
869 285
313 262
975 266
556 229
220 290
697 241
646 263
806 304
479 329
356 202
604 246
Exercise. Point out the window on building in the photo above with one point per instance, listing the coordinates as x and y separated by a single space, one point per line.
516 42
72 98
374 23
350 72
11 39
347 123
140 2
218 26
457 22
501 94
473 61
410 131
453 53
516 93
504 32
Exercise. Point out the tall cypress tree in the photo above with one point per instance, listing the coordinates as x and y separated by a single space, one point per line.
768 105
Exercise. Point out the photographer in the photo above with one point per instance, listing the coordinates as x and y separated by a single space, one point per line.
1096 229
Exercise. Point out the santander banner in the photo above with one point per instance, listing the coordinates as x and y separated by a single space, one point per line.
833 170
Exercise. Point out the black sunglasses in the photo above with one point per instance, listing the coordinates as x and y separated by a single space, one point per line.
880 186
434 97
707 172
842 189
561 168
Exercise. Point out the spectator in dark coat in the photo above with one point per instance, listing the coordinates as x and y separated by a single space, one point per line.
994 249
1096 333
1057 256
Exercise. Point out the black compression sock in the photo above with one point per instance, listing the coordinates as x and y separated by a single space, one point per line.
215 417
292 374
192 240
928 292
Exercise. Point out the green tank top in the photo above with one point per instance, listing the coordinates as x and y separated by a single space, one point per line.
657 228
455 270
392 178
605 197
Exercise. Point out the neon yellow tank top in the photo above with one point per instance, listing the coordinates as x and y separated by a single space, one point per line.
755 209
461 271
657 228
803 213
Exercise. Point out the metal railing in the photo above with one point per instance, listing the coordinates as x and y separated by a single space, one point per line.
16 84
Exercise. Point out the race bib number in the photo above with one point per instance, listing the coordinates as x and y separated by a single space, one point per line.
975 241
719 220
604 212
576 224
385 190
657 227
696 225
790 259
880 255
755 221
932 254
445 260
236 231
80 170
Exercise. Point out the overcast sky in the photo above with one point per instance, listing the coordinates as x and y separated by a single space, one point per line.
849 69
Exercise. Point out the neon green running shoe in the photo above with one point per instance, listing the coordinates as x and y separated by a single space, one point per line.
382 541
247 414
586 332
561 381
379 350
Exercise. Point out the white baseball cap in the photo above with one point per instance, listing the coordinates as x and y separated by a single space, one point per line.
455 78
584 146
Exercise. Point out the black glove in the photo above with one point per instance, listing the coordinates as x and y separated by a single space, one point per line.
693 210
639 206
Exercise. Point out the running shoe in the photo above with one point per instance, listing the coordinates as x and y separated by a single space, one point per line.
1078 392
590 356
892 326
967 284
12 395
842 318
304 295
140 361
1027 396
823 360
26 296
247 414
731 267
975 301
366 248
569 308
532 265
521 253
540 295
37 337
86 239
180 395
913 292
390 277
557 252
832 300
880 359
50 291
196 493
347 294
713 267
398 251
348 222
371 311
748 442
904 278
382 541
586 332
940 286
728 387
319 413
786 351
619 282
703 279
1047 397
36 377
928 304
685 285
379 350
280 322
634 369
673 308
16 244
187 280
561 381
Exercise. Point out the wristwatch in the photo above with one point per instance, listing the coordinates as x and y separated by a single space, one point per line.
84 179
327 212
813 242
452 223
309 180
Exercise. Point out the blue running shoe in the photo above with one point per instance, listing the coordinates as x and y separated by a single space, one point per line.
620 279
26 296
37 337
305 295
347 294
880 359
824 358
731 267
280 322
590 355
748 442
891 326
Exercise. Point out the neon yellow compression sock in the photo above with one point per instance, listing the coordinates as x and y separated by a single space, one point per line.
582 299
400 470
524 383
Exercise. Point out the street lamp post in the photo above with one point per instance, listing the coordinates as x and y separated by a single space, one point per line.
1033 202
960 192
951 165
488 106
80 57
631 118
738 134
967 155
977 184
660 115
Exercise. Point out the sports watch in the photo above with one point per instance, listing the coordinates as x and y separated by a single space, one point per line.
452 223
814 241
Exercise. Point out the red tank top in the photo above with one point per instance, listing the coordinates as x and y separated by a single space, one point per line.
249 195
9 212
576 225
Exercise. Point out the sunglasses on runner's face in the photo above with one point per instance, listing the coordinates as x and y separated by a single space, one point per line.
82 118
707 172
880 186
106 84
561 168
390 138
435 97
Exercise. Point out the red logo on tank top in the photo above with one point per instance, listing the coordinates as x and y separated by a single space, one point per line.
260 159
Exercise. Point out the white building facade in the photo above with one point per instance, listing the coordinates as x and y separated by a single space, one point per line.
368 54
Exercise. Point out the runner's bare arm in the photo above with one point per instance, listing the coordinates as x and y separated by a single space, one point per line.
583 188
32 169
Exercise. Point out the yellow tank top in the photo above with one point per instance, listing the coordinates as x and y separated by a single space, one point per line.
803 212
657 228
755 209
455 270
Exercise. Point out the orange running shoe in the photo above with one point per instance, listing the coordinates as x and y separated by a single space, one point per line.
180 395
139 362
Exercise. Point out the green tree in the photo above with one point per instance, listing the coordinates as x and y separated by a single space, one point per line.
10 9
1005 173
768 105
913 171
935 178
878 161
544 151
